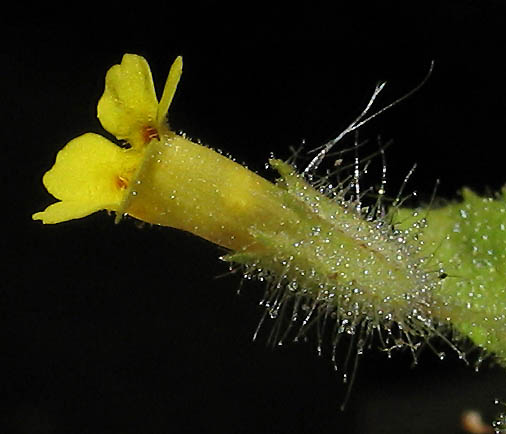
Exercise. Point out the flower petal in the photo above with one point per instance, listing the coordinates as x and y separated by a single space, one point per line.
90 173
170 89
62 211
129 103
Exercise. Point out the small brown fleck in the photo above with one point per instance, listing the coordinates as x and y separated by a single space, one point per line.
121 182
149 133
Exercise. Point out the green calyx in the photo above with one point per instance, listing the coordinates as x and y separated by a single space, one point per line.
344 260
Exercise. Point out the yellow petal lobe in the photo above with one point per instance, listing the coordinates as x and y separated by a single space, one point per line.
63 211
129 103
170 89
90 173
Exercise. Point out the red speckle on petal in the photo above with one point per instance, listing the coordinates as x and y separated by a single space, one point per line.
121 182
149 133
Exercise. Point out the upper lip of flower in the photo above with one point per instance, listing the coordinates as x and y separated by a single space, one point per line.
129 108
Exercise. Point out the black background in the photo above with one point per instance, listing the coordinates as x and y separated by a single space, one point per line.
115 329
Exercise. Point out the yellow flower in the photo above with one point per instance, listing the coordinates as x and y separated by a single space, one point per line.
91 173
161 178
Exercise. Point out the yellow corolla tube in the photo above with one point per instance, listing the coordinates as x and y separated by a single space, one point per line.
190 187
